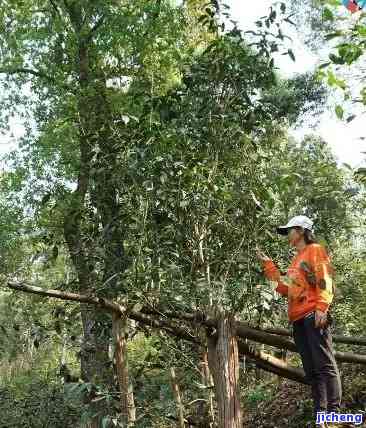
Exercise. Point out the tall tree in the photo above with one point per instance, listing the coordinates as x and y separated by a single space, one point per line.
64 54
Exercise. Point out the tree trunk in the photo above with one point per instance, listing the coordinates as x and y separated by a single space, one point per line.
128 409
94 361
177 397
224 364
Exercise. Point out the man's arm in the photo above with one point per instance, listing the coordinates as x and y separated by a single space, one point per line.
324 277
273 274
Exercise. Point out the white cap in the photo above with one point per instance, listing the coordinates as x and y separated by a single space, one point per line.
299 220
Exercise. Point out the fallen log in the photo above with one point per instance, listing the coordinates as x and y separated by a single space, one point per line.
271 364
280 342
261 359
107 305
201 317
243 331
337 338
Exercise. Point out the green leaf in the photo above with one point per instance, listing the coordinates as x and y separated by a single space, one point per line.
339 111
361 30
334 81
363 95
348 166
336 59
272 16
324 65
291 55
361 171
333 3
327 15
349 52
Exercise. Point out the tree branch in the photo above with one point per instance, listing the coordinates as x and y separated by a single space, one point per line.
262 336
188 316
55 7
107 305
242 330
265 361
272 364
81 298
95 28
350 340
36 73
22 70
246 332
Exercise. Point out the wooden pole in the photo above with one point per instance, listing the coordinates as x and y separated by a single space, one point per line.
177 398
223 358
119 326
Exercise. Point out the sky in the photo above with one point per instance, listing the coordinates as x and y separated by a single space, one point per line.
343 138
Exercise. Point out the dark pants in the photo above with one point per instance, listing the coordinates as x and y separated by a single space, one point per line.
317 355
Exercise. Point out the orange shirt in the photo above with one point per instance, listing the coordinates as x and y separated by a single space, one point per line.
308 283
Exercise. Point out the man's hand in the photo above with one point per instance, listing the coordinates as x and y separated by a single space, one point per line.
320 319
261 255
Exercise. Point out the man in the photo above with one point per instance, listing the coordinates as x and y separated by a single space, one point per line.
308 285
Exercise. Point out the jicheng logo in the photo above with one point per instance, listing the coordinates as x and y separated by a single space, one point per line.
355 418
